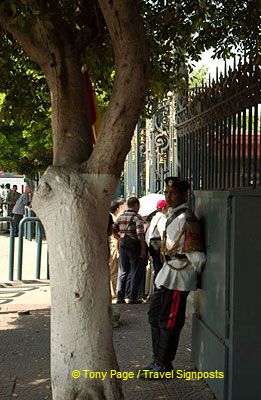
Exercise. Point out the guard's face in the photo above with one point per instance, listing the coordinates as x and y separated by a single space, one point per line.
173 196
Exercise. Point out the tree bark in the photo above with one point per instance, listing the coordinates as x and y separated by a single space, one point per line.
74 207
130 86
73 198
71 127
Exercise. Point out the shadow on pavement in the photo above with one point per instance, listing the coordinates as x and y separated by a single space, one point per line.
24 356
25 359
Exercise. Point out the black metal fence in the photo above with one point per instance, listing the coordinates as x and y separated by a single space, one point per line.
219 131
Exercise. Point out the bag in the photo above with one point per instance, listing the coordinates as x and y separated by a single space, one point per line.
131 243
155 239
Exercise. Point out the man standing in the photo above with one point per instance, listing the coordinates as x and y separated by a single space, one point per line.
117 208
18 210
128 229
183 257
5 194
12 198
156 229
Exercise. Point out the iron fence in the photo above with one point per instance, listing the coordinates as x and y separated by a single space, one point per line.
219 129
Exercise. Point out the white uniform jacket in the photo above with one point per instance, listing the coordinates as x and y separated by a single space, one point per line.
184 276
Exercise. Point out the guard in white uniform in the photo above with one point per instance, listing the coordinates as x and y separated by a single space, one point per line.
183 257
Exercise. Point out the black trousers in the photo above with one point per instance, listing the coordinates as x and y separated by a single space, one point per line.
167 317
17 219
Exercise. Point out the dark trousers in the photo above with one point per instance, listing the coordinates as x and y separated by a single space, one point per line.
130 271
157 263
17 219
167 317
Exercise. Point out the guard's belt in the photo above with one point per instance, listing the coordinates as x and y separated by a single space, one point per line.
176 256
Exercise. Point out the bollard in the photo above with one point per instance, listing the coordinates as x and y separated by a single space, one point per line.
26 209
20 246
11 247
39 250
29 226
47 269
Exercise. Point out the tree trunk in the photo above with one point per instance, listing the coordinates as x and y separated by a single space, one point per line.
71 127
72 203
73 208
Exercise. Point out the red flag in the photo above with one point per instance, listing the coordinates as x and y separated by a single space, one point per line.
91 105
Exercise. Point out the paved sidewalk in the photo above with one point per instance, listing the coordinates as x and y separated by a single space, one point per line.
24 352
23 295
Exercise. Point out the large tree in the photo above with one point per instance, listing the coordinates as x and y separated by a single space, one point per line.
73 198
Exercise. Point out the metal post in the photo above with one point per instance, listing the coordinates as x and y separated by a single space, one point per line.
244 119
238 149
47 266
234 130
26 225
137 160
216 155
20 245
212 156
11 248
255 145
224 164
249 152
220 154
39 250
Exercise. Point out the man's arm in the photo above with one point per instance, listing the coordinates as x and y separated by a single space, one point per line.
140 235
115 230
143 252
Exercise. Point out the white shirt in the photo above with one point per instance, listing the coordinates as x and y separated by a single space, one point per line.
157 226
19 206
185 279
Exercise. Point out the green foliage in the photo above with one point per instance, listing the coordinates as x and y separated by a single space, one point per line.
25 116
25 149
176 30
198 77
180 30
23 83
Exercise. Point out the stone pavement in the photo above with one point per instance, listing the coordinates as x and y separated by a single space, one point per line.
23 295
25 347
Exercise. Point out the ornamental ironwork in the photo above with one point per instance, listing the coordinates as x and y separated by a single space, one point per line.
219 130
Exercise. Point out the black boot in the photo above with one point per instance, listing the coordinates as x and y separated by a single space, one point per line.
167 347
155 332
160 361
155 336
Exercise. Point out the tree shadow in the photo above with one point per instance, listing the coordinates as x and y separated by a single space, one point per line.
25 355
132 343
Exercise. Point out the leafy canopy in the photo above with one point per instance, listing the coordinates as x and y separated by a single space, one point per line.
176 32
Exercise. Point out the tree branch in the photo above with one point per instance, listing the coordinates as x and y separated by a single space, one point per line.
131 61
29 44
41 43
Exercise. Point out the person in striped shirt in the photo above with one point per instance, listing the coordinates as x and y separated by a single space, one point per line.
129 230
